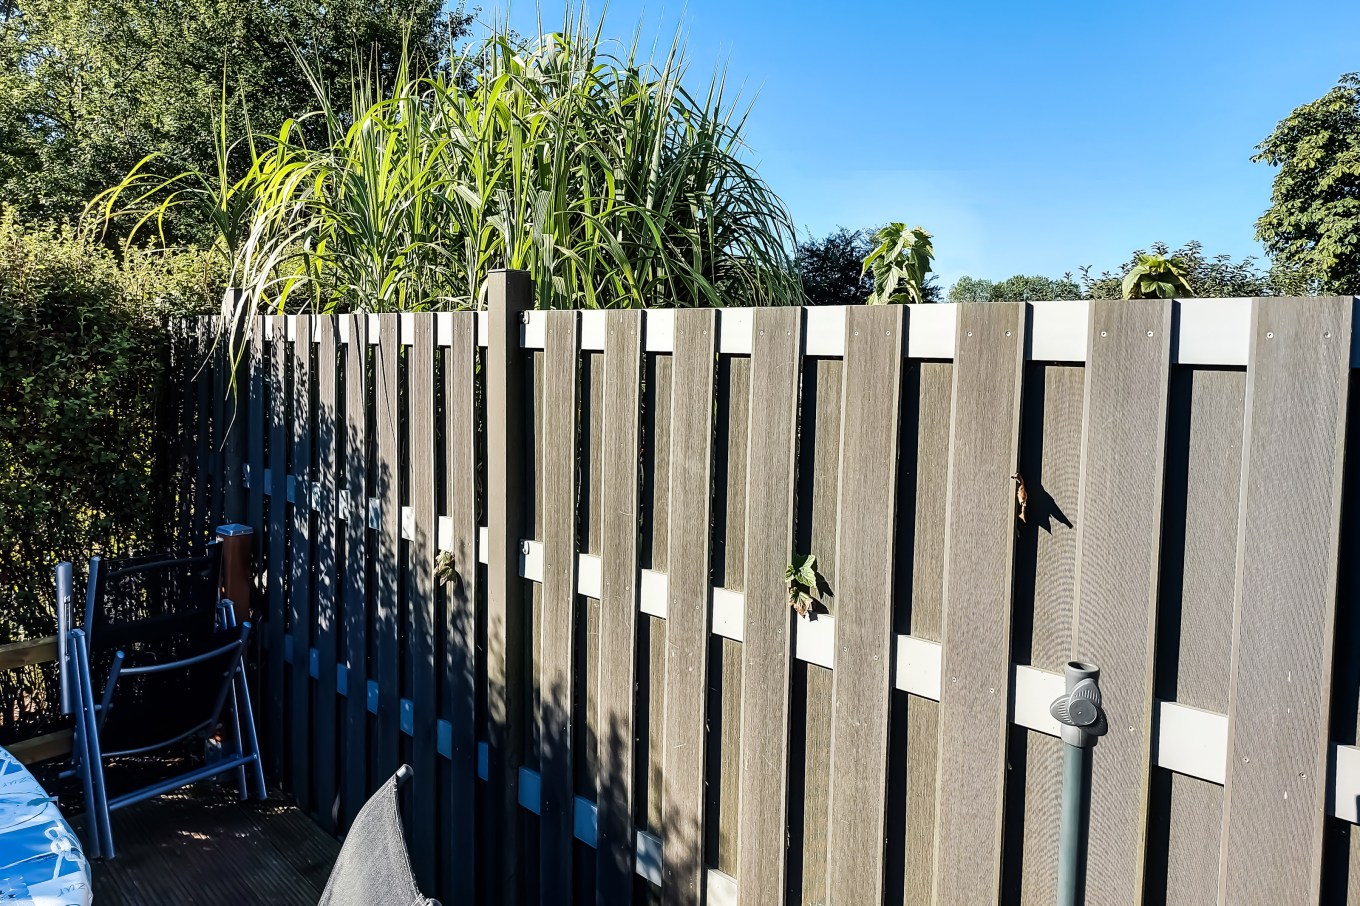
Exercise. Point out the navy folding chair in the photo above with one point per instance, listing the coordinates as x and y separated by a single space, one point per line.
158 662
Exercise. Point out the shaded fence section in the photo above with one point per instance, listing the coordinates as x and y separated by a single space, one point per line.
540 556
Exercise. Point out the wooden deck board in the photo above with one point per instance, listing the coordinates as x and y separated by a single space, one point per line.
200 845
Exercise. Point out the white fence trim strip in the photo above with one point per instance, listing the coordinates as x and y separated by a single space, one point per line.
1209 332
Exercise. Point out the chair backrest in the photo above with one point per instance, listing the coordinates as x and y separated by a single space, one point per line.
155 603
374 868
149 702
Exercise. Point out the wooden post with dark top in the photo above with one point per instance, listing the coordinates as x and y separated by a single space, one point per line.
237 542
510 294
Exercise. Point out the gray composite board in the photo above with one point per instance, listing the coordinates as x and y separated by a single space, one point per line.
219 387
775 370
387 649
976 633
421 610
355 594
1204 450
509 294
934 388
276 568
861 681
1274 810
728 568
687 623
460 857
819 480
620 491
559 402
1118 540
205 475
300 580
257 428
1046 555
652 553
328 596
586 726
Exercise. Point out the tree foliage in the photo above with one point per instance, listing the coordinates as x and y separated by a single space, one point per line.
1312 227
81 370
832 268
1018 288
1217 276
88 90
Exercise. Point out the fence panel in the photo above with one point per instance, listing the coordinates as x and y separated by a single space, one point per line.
628 677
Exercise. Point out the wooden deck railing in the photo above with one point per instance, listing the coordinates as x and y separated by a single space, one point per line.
31 653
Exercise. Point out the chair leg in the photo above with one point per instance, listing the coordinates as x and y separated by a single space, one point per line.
252 739
236 742
94 759
80 764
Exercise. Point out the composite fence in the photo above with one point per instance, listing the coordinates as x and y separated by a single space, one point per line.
541 555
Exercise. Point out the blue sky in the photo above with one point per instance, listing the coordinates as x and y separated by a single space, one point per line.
1027 137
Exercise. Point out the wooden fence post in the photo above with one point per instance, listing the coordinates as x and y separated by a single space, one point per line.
237 581
511 293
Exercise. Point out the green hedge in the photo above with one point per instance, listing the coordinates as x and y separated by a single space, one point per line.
82 374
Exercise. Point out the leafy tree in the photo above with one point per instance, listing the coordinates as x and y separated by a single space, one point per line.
1208 277
82 343
971 289
1019 288
899 263
88 90
1312 227
832 268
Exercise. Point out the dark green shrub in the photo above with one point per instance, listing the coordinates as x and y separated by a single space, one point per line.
82 371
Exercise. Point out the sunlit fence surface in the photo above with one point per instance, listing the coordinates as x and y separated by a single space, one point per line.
541 556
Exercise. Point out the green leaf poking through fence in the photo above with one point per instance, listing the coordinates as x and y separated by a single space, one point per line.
802 579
